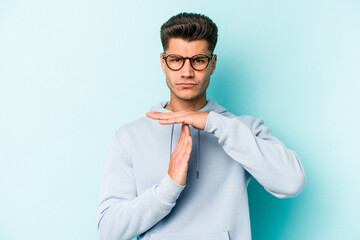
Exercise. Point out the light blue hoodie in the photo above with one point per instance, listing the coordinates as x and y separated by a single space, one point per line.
137 196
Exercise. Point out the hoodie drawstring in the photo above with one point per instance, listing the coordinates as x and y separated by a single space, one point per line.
197 150
172 133
198 154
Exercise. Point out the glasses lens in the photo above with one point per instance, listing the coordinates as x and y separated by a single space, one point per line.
174 62
199 62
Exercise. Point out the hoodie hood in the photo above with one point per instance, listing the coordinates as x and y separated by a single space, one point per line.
211 105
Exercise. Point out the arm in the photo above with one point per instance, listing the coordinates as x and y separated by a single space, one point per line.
121 213
265 157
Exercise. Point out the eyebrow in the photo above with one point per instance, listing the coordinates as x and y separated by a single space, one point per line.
191 56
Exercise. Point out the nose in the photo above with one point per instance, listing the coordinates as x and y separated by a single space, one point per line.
187 70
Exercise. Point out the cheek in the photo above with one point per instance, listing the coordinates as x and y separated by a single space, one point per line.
206 77
169 79
170 75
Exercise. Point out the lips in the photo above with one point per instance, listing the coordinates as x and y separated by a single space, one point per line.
186 85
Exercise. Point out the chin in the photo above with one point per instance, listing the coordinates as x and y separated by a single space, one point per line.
188 97
190 94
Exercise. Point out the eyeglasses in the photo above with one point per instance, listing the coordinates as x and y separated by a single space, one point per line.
198 62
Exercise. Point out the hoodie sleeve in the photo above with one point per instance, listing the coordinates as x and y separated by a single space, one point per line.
278 169
122 214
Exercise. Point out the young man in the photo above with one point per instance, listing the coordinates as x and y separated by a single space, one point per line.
182 171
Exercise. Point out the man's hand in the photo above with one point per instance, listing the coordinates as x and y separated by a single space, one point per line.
179 161
195 119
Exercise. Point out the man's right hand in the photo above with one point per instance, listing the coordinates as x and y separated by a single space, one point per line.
179 161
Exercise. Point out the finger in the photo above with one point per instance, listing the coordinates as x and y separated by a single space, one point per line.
189 145
187 148
173 120
182 134
184 150
164 116
156 115
187 129
180 142
167 113
181 145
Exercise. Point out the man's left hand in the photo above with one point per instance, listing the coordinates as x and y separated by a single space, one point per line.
195 119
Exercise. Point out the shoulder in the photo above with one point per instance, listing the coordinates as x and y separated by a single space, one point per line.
132 131
132 127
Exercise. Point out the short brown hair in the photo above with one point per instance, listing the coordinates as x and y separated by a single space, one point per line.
190 27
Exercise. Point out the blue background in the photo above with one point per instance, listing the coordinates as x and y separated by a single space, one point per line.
70 75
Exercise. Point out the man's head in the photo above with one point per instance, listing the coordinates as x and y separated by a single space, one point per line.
189 27
188 35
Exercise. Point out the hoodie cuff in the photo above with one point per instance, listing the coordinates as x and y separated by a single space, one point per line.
210 126
220 126
168 190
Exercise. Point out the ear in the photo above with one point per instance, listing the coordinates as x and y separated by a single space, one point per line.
162 63
213 64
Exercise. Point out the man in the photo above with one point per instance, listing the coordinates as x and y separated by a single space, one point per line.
156 187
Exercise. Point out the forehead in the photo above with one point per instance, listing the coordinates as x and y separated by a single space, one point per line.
187 48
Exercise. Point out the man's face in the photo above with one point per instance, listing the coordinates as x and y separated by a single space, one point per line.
188 84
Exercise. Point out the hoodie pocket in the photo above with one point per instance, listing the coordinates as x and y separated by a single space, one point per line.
190 236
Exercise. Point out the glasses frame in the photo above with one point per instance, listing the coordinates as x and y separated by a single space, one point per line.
190 58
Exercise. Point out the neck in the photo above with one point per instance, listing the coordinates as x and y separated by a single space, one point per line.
177 105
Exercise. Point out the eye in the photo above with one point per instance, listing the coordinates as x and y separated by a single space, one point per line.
174 59
200 60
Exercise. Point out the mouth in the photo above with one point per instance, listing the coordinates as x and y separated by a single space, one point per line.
186 85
